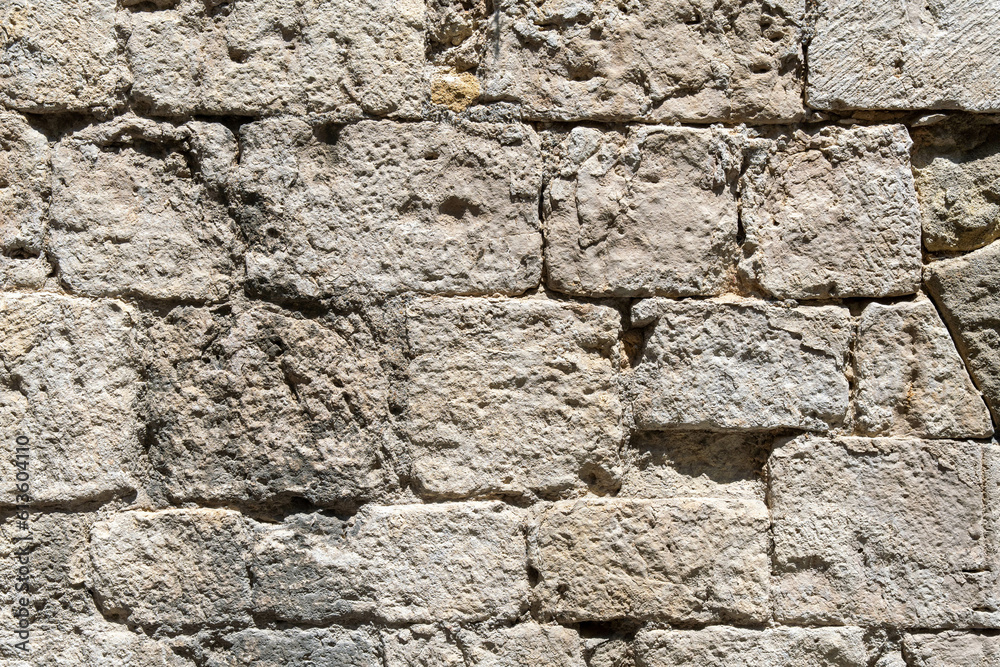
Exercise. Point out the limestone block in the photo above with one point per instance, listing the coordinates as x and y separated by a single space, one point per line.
950 649
388 207
909 378
956 168
679 560
880 531
178 569
523 644
25 184
660 60
720 646
258 406
254 57
70 383
136 210
294 647
61 55
904 55
832 213
740 364
967 290
513 396
652 212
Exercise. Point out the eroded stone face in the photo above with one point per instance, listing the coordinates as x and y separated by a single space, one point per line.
677 560
526 643
740 364
294 647
882 530
831 213
386 207
904 55
260 57
652 212
952 648
25 181
659 60
513 397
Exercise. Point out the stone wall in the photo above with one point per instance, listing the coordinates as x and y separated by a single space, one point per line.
576 333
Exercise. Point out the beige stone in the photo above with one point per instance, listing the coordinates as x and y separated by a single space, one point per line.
523 644
25 184
299 647
951 649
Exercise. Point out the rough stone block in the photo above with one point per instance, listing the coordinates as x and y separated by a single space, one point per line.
648 213
61 55
720 646
260 406
294 647
70 383
679 560
25 179
254 57
952 649
904 55
880 531
513 397
740 364
136 210
909 378
174 569
660 60
388 207
831 213
523 644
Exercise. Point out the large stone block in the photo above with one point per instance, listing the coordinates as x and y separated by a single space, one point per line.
61 55
254 57
952 649
649 213
880 531
390 207
70 384
660 60
513 397
295 647
831 213
137 211
25 176
740 364
523 644
909 378
678 560
174 569
904 55
260 406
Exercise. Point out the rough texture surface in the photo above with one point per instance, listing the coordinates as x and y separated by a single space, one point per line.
25 176
952 648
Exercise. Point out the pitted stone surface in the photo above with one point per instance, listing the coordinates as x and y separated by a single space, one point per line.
295 647
26 179
527 643
948 649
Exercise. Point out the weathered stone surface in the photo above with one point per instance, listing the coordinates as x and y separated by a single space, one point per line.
293 647
686 559
951 649
904 55
832 213
513 396
25 184
660 60
459 562
174 569
136 210
523 644
390 207
70 383
257 57
967 289
880 531
720 646
61 55
648 213
258 406
909 378
740 364
956 168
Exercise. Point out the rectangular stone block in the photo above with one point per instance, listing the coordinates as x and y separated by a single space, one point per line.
299 647
720 646
698 560
651 212
70 384
260 57
880 531
740 364
527 643
26 178
831 213
659 60
950 649
62 56
513 397
388 207
137 210
904 55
